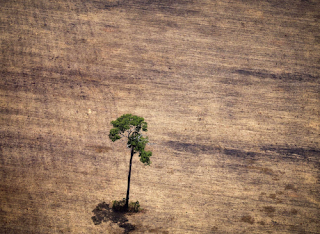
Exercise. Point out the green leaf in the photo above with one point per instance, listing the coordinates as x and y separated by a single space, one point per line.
125 122
145 157
114 134
129 125
144 126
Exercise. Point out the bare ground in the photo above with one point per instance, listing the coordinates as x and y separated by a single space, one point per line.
230 90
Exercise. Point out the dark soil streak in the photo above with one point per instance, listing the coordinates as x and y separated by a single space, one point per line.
293 154
192 148
198 148
166 6
296 154
287 77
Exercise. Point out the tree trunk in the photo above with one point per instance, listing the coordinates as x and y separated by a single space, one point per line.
129 175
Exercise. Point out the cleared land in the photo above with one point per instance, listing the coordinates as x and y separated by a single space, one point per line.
230 90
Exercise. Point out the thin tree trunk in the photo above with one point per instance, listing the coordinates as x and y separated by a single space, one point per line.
129 175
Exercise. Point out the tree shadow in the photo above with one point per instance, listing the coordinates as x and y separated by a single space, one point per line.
103 213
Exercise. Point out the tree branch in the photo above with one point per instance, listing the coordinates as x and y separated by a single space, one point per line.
122 134
130 131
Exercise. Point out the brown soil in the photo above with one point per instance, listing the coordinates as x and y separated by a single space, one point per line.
230 91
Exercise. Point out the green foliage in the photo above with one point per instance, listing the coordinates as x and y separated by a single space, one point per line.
129 126
134 207
145 157
127 123
114 134
119 206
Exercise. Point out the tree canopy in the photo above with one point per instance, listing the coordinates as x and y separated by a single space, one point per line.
129 126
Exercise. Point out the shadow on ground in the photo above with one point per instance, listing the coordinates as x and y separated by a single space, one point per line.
103 213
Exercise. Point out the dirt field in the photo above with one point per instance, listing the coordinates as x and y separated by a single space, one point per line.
230 91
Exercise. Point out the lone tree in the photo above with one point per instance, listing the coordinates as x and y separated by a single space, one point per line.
129 126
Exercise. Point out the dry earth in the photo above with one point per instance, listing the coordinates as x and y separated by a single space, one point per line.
230 90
